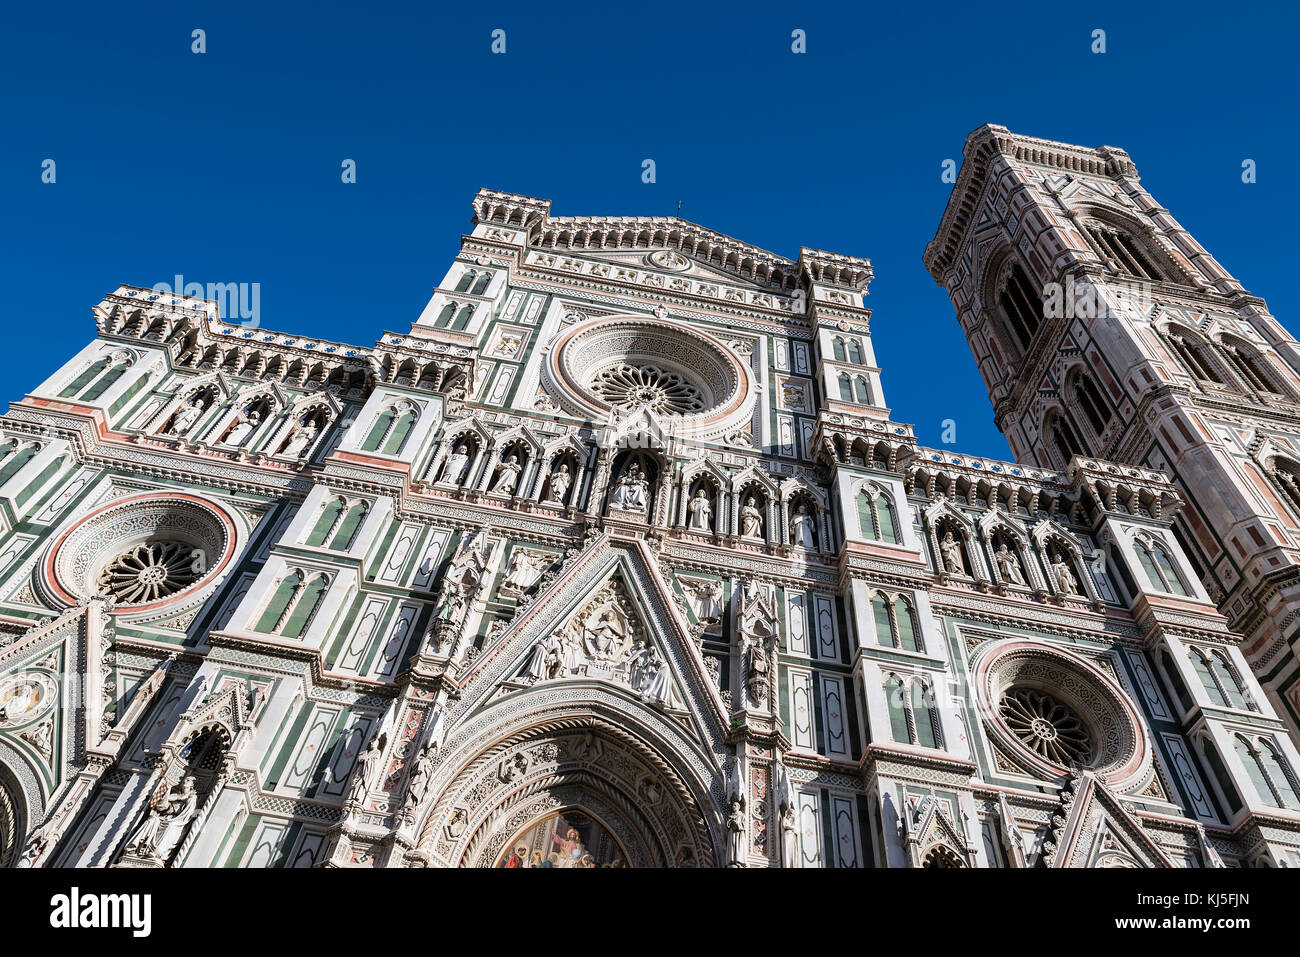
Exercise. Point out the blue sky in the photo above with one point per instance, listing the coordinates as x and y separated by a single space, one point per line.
224 167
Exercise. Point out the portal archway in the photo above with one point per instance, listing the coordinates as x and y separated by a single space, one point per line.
643 801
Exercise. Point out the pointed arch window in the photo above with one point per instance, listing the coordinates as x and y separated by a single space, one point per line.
837 348
1095 409
1284 476
84 378
390 430
846 387
445 316
1191 351
1259 778
462 320
14 461
1252 367
895 623
293 605
480 287
855 351
876 515
1175 680
1220 679
1063 437
1021 306
1159 569
913 717
466 280
1124 252
1220 773
863 389
1279 774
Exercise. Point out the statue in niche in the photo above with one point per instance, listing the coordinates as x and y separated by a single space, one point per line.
561 479
508 478
159 833
1008 565
951 549
457 466
801 527
525 568
361 770
751 519
708 601
242 429
301 440
701 512
736 828
418 782
187 416
632 489
758 640
1063 577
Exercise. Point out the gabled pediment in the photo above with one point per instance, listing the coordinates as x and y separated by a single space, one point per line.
608 618
1099 831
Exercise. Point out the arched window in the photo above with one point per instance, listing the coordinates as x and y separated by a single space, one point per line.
389 433
1022 306
14 460
1226 675
1095 409
862 389
1191 351
444 317
84 378
1279 774
1159 569
1063 437
1252 367
855 351
924 716
1250 757
1123 252
481 286
876 515
462 320
1220 773
846 387
1175 680
466 280
347 530
1284 475
896 697
895 623
328 522
837 348
293 605
1201 662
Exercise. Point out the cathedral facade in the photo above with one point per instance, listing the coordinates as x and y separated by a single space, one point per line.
617 558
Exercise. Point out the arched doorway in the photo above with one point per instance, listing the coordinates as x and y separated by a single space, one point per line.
628 805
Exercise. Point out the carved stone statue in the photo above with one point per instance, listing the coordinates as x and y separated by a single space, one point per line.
1008 565
655 683
301 440
186 417
561 479
417 783
701 512
751 519
508 478
1064 578
242 429
708 598
632 490
159 833
524 570
736 829
801 527
361 770
457 466
544 659
951 549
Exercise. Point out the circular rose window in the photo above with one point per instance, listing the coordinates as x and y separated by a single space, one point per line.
623 364
143 551
1053 712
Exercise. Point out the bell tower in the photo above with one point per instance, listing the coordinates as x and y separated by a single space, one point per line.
1103 329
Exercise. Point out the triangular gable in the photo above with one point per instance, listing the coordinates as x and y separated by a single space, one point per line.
1099 831
612 574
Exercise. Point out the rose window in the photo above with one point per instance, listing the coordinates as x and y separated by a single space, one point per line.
150 571
628 386
1046 727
